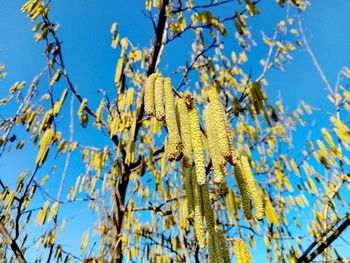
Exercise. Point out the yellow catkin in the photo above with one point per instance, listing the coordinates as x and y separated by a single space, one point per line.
175 146
218 116
243 188
159 98
208 212
218 254
149 94
222 243
196 139
210 221
245 251
238 251
252 189
234 155
217 159
211 248
198 211
184 125
186 171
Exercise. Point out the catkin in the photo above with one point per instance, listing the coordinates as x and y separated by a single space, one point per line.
217 159
234 155
149 94
252 189
175 145
219 118
211 248
238 250
245 252
196 140
222 243
208 212
198 210
189 190
243 188
184 125
159 98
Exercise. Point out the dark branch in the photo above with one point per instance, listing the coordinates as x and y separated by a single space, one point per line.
12 243
322 245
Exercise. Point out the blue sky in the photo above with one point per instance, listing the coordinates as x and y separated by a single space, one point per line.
85 32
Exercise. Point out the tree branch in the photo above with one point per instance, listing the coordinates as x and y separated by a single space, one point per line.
322 245
12 243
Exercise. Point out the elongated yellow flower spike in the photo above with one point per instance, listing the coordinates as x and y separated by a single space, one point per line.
208 212
238 250
186 171
196 139
252 189
219 117
159 98
234 154
217 159
149 94
243 188
211 248
175 145
241 251
198 210
185 131
222 243
245 251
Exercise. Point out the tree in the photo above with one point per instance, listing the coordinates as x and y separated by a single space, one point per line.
197 163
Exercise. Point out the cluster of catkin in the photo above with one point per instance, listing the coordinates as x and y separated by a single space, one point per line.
159 102
221 150
185 140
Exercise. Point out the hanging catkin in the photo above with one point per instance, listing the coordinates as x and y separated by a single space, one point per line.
234 156
196 139
252 189
149 94
218 255
243 188
198 210
217 159
184 125
159 98
222 243
175 145
211 248
220 119
208 212
186 171
241 251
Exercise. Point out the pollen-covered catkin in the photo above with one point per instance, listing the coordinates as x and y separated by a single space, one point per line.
219 118
159 98
222 243
245 251
175 145
243 188
241 251
211 248
234 155
198 210
184 125
208 212
149 94
252 189
218 254
238 250
186 171
217 159
196 140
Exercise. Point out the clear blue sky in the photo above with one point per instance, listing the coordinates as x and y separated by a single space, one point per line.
85 32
